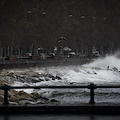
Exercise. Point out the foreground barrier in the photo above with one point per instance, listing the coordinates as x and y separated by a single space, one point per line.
92 87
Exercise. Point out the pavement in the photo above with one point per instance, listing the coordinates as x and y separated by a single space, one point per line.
96 109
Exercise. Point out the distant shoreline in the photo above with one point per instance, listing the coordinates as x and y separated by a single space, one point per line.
41 63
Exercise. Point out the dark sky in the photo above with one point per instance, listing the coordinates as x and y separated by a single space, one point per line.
43 22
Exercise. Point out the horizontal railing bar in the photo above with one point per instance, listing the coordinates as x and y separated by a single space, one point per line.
38 87
92 86
107 86
56 87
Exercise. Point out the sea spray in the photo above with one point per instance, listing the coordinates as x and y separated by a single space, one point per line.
95 72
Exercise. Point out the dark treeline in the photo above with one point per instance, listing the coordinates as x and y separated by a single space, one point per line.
26 25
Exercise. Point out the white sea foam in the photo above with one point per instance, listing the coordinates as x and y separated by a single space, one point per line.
111 61
95 72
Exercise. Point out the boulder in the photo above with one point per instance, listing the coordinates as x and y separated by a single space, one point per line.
13 92
1 98
115 69
1 92
14 99
21 95
53 100
35 95
59 78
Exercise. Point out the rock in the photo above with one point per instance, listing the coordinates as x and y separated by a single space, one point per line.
2 82
12 92
53 78
11 74
35 95
94 72
26 85
54 100
46 79
59 78
31 74
14 99
1 92
41 79
1 98
115 69
71 82
23 96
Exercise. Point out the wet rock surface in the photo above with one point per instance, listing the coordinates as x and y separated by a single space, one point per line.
18 97
60 76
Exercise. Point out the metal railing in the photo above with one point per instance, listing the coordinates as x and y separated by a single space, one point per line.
92 87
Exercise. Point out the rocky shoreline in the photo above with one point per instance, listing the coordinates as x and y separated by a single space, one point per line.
21 97
31 77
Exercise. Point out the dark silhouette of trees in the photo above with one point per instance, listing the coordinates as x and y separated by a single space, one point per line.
40 23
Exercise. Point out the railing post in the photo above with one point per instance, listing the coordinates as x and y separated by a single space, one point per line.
6 97
92 87
6 88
